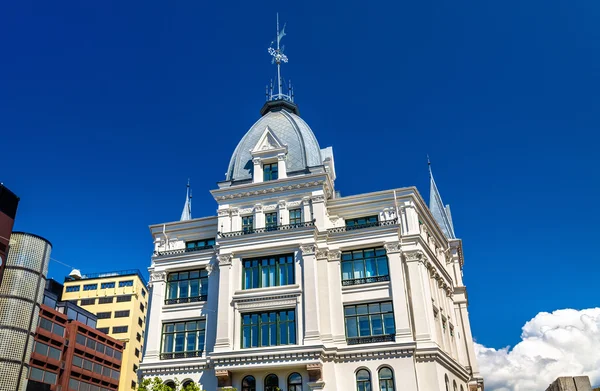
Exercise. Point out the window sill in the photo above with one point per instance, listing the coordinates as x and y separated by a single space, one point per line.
186 300
372 339
366 287
260 292
178 355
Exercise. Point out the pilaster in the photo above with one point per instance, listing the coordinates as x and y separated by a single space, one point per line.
281 165
399 292
257 174
223 341
420 297
318 209
284 216
157 293
259 216
310 293
324 294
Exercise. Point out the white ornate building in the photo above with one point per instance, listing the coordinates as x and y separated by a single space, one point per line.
294 286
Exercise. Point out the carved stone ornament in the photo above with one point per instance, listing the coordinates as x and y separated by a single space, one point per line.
223 212
234 211
270 207
245 211
258 208
223 377
224 259
318 198
315 372
256 160
158 276
281 157
305 200
321 253
212 266
293 203
334 255
307 249
393 247
415 256
281 204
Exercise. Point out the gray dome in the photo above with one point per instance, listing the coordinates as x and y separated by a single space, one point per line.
291 130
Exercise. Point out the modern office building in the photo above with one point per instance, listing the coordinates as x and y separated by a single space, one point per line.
8 210
21 292
119 300
69 354
292 286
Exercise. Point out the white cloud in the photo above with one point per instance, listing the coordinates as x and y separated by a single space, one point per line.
563 343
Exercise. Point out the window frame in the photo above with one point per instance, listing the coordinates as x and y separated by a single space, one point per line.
72 288
198 334
122 314
125 283
90 287
253 275
354 223
295 220
359 316
377 261
248 224
271 222
257 323
252 386
270 171
120 329
386 384
107 285
294 386
361 385
271 378
194 245
175 280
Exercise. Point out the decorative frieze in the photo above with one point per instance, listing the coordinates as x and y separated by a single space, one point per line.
269 190
321 253
223 212
266 302
317 198
258 208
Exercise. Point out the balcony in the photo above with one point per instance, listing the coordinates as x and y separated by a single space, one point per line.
172 356
287 227
372 339
366 280
366 225
183 250
180 300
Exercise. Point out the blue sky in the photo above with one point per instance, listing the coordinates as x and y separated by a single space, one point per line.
107 108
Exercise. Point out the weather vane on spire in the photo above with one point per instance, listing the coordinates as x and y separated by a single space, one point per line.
278 58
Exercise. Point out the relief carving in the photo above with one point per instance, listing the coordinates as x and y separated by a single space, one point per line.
334 255
224 259
393 247
321 253
307 249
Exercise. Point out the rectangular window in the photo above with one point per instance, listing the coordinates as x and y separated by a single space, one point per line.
72 288
137 352
248 224
271 221
107 285
187 287
88 301
295 216
73 384
140 322
199 244
121 299
362 222
183 339
143 293
104 330
269 329
125 283
42 376
52 327
104 315
105 300
270 172
141 307
268 271
49 301
138 337
368 323
122 314
364 266
90 287
119 329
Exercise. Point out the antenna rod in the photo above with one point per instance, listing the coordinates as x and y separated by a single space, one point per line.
278 61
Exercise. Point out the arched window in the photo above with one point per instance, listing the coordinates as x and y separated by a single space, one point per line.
447 382
294 382
186 383
454 385
249 384
271 382
386 379
170 384
363 380
461 388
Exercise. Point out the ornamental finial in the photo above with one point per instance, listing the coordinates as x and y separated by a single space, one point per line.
278 57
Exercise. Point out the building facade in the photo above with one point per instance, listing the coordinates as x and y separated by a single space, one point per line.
120 302
8 210
21 293
294 286
69 355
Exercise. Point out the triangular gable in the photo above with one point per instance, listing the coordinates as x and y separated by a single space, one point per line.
268 142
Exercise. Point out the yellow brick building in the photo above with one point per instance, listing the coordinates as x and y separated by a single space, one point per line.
120 301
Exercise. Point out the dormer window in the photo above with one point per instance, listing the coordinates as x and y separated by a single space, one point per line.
270 172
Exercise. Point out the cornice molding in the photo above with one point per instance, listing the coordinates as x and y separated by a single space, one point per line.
271 190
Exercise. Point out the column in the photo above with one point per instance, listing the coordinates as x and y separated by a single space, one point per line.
336 307
259 216
236 220
323 286
306 210
412 219
284 216
257 172
223 341
420 297
223 220
157 298
310 294
281 166
399 292
318 210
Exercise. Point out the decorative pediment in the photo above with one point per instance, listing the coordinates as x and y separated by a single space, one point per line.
268 144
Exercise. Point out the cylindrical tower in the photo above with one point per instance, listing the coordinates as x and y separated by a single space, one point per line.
21 293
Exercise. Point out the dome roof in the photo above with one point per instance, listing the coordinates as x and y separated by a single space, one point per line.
291 130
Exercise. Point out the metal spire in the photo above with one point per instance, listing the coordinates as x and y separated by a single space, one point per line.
186 214
440 212
278 58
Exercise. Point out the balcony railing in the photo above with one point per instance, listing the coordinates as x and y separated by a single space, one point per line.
366 280
366 225
171 356
184 250
373 339
273 228
180 300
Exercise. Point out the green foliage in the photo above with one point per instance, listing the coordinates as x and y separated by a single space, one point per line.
156 384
